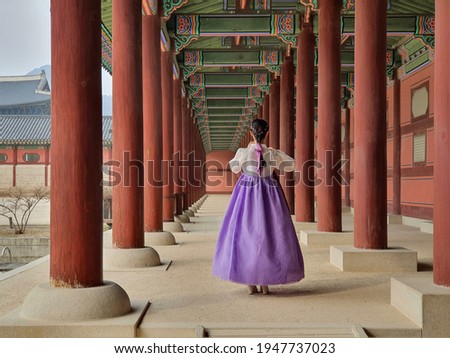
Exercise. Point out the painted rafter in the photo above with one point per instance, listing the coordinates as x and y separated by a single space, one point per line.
225 112
195 60
169 6
106 49
227 93
315 4
415 53
229 79
192 27
266 59
397 25
224 103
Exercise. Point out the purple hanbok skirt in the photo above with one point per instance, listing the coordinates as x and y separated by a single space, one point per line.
257 243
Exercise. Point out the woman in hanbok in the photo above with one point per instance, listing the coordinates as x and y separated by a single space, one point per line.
257 243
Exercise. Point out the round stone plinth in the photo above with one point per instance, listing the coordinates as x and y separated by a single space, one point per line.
193 209
114 258
189 213
161 238
182 219
76 304
172 226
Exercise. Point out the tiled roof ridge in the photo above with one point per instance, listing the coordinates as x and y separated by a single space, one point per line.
21 78
41 87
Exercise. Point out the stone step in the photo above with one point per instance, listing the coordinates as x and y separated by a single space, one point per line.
289 331
249 330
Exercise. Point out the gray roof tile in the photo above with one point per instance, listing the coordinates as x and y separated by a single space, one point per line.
37 129
17 90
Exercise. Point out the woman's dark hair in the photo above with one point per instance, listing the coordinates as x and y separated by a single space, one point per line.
260 128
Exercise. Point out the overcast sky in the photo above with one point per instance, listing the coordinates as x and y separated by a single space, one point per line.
25 38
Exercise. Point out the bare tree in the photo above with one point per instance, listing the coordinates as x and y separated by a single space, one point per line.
18 204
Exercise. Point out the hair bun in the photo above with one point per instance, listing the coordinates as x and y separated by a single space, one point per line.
260 127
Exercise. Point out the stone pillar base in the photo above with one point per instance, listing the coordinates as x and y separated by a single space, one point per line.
69 322
160 238
182 219
427 227
346 210
394 220
189 213
193 209
114 258
172 226
424 303
75 304
321 238
352 210
349 258
299 225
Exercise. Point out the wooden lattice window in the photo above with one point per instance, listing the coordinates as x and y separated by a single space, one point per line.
31 157
419 148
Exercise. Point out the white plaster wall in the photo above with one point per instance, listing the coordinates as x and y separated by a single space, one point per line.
40 215
6 176
105 172
30 175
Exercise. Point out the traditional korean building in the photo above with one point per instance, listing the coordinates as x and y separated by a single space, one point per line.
26 95
25 151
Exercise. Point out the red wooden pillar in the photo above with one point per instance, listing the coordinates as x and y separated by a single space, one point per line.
203 171
177 143
200 165
329 126
189 159
266 107
128 203
266 114
167 108
370 125
274 114
347 201
152 114
287 129
441 247
76 205
14 166
47 163
260 111
194 162
185 150
397 140
193 157
304 149
198 157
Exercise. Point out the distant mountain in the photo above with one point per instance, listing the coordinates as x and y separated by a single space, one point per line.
106 100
